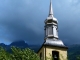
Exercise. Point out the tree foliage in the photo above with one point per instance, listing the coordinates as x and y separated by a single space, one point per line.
78 57
18 54
22 54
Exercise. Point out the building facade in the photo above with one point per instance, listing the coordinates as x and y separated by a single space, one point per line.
52 47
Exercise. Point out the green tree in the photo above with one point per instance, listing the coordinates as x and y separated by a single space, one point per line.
18 54
78 57
24 54
4 55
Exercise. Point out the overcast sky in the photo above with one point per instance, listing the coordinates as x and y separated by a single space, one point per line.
24 20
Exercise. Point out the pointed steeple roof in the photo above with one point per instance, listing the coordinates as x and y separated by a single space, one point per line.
51 9
51 15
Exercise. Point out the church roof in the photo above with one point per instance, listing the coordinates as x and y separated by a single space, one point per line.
60 45
54 42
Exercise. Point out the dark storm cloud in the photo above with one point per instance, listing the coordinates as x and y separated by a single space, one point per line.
20 21
69 20
24 20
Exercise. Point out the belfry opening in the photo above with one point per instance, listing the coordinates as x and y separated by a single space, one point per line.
55 55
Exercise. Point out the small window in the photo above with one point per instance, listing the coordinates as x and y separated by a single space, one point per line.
50 30
55 32
41 56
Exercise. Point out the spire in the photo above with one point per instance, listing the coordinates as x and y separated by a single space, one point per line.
51 9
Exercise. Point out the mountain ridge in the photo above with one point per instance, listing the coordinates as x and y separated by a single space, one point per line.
73 50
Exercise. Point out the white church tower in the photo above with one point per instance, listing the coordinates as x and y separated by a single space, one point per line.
52 46
51 29
51 25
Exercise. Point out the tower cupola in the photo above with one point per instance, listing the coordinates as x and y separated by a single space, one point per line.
51 25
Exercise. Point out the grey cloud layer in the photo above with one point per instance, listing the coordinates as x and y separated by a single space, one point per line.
24 20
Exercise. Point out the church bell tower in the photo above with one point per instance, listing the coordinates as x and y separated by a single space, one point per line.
51 25
52 47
